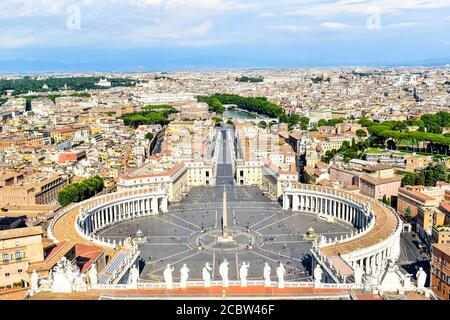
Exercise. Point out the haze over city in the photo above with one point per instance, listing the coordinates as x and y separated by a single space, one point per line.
221 150
164 35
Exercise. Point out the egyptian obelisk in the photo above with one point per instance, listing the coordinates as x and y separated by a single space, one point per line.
225 237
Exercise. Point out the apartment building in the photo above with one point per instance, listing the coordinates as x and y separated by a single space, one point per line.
36 190
176 178
440 270
19 248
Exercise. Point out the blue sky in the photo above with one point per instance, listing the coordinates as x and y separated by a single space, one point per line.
182 34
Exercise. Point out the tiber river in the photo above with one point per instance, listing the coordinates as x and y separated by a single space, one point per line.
241 114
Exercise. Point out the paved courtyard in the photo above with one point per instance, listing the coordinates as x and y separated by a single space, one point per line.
263 232
281 232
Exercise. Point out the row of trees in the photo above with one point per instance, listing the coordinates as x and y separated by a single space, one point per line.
151 115
79 191
53 97
27 84
250 79
331 122
429 176
319 79
429 130
259 105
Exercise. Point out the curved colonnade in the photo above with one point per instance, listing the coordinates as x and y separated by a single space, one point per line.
376 240
103 212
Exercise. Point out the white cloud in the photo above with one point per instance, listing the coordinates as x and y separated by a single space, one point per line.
361 7
290 28
211 5
401 25
267 15
202 29
335 25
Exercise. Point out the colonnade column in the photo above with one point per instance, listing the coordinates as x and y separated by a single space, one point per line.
285 201
154 205
295 202
164 205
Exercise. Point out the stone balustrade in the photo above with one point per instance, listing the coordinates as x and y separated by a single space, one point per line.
105 211
378 226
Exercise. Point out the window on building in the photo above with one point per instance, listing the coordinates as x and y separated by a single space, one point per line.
19 270
18 255
5 256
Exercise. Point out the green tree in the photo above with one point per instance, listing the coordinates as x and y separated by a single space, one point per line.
435 172
216 106
386 200
322 122
409 179
76 192
420 179
361 133
262 124
407 213
149 136
304 122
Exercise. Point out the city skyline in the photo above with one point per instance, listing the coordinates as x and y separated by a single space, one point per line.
159 35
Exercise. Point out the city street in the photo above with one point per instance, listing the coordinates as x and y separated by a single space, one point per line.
411 258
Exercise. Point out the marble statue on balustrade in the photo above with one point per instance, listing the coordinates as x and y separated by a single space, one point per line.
317 275
393 279
184 274
223 271
357 274
62 276
421 277
34 281
93 275
206 274
243 273
133 278
79 283
280 274
168 277
267 270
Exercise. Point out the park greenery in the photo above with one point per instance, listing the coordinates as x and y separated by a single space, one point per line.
158 114
348 150
362 74
53 97
331 122
361 133
216 106
164 78
79 191
259 105
27 84
250 79
320 79
429 176
404 133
